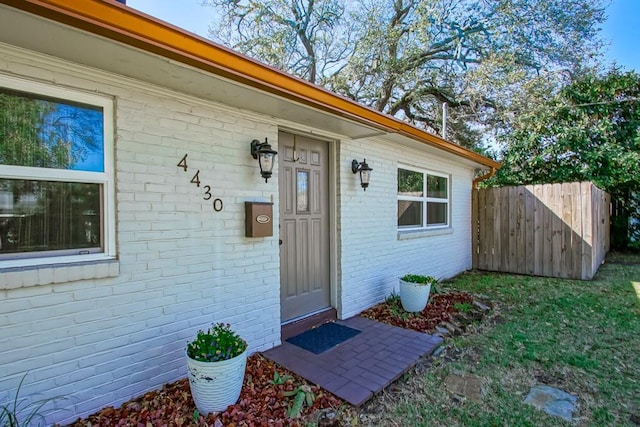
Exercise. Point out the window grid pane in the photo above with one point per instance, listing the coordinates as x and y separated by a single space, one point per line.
410 183
410 214
45 132
437 186
43 216
436 213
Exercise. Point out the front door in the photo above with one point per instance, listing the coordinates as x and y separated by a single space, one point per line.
304 225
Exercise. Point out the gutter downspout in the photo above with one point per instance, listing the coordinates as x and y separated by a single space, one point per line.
483 177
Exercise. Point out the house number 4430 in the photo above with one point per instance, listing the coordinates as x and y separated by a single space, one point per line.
217 203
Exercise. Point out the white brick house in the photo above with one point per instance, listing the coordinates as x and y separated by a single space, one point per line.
105 316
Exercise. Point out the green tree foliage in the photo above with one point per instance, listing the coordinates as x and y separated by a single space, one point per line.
21 130
42 133
485 59
589 131
45 133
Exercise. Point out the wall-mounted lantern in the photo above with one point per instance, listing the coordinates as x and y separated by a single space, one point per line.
365 172
265 155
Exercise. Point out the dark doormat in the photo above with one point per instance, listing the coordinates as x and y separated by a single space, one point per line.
324 337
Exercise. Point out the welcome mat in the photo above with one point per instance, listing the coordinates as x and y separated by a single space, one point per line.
322 338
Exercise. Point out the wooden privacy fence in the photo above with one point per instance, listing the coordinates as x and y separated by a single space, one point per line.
554 230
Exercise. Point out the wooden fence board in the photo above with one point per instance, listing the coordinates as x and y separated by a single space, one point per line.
529 228
587 232
547 230
604 204
504 232
576 241
495 227
513 232
558 230
482 235
521 246
566 269
595 203
538 239
490 226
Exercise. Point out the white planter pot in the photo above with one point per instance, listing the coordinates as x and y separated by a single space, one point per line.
414 296
216 385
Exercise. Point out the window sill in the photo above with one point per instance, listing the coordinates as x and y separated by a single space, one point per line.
49 272
415 234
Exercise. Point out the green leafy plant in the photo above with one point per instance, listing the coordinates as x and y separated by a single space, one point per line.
393 298
393 301
419 279
462 307
398 312
279 379
303 395
218 343
20 413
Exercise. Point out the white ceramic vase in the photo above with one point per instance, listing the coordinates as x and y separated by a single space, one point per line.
216 385
414 296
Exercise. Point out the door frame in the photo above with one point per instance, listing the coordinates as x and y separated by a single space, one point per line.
334 249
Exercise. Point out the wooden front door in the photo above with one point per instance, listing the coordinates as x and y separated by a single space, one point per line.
304 225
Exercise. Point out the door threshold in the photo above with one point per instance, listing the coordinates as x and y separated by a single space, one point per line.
298 326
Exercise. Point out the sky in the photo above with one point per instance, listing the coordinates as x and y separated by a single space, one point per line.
621 31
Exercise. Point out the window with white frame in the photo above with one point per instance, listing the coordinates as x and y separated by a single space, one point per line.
423 199
56 180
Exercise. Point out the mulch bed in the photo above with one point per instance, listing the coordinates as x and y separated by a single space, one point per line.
442 309
263 401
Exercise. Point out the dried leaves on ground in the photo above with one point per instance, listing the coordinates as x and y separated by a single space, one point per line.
450 311
268 396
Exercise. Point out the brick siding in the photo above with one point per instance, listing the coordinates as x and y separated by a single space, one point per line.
102 334
181 265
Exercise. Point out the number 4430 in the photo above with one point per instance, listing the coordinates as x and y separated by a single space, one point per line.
217 203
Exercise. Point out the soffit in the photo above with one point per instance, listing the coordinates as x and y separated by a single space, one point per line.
84 48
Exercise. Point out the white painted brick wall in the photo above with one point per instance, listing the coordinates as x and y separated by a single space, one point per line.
182 265
373 258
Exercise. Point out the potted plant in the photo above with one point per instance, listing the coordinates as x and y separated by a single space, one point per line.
414 291
216 361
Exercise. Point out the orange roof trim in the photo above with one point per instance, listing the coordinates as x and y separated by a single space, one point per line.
115 21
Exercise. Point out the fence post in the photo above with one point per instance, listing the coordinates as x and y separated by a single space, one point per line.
475 226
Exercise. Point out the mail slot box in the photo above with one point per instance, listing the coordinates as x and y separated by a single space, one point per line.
258 219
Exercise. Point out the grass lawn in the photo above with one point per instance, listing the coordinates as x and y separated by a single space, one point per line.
581 337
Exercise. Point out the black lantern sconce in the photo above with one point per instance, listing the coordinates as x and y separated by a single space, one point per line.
365 172
265 155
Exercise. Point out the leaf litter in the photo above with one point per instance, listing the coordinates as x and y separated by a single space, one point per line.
273 396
